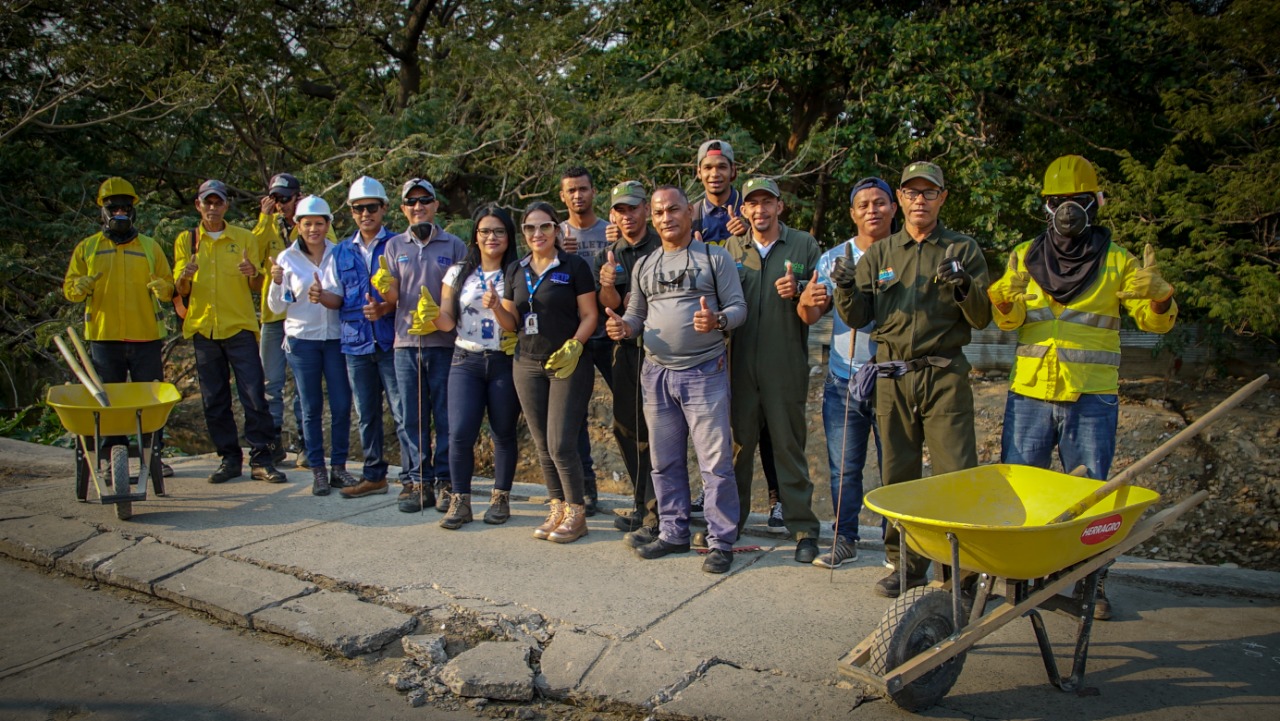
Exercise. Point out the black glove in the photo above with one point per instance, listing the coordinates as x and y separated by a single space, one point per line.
951 271
842 272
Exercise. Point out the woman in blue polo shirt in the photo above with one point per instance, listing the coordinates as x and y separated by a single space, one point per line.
550 301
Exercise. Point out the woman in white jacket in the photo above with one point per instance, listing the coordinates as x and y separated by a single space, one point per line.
303 287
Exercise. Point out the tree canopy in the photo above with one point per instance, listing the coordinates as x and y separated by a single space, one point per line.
1174 102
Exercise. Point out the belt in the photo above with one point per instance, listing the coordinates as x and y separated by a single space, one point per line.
916 364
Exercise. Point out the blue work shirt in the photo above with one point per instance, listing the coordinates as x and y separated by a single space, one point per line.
712 220
361 336
864 349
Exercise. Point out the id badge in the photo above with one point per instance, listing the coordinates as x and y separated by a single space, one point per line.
531 324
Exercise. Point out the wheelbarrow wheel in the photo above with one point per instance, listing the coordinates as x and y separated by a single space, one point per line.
120 479
919 620
124 510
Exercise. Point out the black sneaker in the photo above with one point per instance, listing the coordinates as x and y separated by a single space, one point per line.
589 506
718 561
695 508
659 548
891 586
775 522
636 539
226 471
267 472
631 522
806 551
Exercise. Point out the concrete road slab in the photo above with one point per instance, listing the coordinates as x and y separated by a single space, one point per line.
497 670
89 555
566 660
640 673
337 622
140 566
231 591
725 692
42 539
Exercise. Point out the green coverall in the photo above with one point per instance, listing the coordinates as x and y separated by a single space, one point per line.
769 373
916 317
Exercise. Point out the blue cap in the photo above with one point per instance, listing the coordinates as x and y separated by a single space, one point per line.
871 183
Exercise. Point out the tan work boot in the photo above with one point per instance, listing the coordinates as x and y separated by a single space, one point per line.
573 526
554 516
499 508
459 512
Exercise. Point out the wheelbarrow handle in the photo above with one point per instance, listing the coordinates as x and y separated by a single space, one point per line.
1127 475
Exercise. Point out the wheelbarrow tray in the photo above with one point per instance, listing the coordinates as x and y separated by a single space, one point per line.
77 408
1000 514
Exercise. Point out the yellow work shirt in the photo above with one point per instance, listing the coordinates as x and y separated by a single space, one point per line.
120 306
221 302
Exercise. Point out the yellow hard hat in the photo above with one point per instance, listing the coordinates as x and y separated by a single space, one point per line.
115 186
1069 175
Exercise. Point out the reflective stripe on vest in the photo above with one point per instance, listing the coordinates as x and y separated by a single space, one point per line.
1032 351
1098 357
1097 320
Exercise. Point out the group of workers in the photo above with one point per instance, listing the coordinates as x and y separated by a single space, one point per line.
696 314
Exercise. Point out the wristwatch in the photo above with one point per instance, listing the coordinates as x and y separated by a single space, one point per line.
722 321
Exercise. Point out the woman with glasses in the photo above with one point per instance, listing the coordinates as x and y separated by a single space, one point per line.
304 284
549 300
480 375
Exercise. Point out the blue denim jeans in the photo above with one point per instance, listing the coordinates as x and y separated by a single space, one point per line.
847 423
320 369
1084 432
691 405
422 375
371 376
480 381
271 350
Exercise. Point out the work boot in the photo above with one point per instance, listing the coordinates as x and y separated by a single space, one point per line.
630 522
408 488
718 561
499 510
659 548
589 506
443 496
339 478
1101 604
364 488
646 534
806 551
267 472
554 516
319 481
459 512
228 469
277 451
891 586
423 497
572 527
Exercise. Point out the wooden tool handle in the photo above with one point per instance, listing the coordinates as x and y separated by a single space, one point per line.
85 359
95 389
1154 457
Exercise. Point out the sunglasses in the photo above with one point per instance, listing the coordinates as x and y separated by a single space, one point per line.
420 200
545 228
283 199
369 208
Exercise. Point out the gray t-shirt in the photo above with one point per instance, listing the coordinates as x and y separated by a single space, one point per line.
666 290
415 265
591 242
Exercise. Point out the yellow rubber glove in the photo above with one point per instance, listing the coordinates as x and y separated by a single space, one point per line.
382 278
1146 283
424 316
508 342
159 287
1012 286
83 285
565 360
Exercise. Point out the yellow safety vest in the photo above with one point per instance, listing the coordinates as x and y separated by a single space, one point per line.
1066 350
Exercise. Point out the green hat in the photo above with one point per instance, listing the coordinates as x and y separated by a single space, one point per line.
923 169
764 184
629 193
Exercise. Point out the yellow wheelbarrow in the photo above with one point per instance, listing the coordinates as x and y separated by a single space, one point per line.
1021 533
135 409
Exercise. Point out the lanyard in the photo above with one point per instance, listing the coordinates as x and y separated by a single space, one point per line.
533 287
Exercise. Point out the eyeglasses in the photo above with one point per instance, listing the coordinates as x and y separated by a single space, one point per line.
420 200
369 208
545 228
492 232
679 277
930 195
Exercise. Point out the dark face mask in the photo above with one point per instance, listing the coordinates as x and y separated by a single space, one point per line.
1071 218
120 228
421 231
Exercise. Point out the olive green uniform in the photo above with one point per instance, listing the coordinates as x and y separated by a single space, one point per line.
769 372
917 318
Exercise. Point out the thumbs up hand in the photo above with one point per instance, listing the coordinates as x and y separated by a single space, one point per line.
277 273
842 273
736 225
382 278
1018 281
313 293
609 270
491 299
786 285
951 271
1147 283
613 232
371 309
615 328
423 321
815 293
704 320
246 268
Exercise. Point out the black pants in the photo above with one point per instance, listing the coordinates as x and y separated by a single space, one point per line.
630 429
554 409
119 361
215 362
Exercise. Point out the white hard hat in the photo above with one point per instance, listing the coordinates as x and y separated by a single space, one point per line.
366 187
314 205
